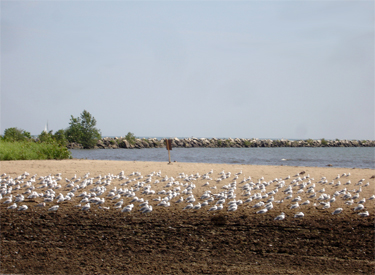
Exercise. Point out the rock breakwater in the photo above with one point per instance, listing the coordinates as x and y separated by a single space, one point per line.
120 142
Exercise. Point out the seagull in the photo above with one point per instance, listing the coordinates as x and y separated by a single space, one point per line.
19 198
157 199
180 200
53 208
258 205
299 215
297 199
359 207
364 214
9 200
362 201
189 206
280 217
23 207
220 207
86 207
296 205
326 205
148 209
119 203
198 206
13 206
145 203
337 211
128 208
232 207
262 211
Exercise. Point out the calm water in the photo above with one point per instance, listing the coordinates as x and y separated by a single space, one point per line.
359 157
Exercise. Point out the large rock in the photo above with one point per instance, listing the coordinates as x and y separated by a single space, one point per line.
124 144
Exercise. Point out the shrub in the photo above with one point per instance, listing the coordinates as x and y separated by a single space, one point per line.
247 143
16 134
310 141
324 142
29 150
130 137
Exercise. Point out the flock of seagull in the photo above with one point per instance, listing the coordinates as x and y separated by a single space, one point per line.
225 192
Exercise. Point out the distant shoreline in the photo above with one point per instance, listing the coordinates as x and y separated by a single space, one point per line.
140 143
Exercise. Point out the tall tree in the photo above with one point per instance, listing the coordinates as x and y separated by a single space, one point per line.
82 130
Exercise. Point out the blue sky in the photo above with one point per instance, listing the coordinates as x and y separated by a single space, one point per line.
263 69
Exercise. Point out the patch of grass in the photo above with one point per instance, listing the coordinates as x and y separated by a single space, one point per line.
29 150
309 141
247 143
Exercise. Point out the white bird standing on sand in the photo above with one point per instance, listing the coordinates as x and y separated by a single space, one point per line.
326 205
262 211
219 207
9 200
189 206
258 205
119 203
157 199
293 206
23 207
42 204
232 207
362 201
53 208
180 200
299 215
13 206
337 211
144 203
197 206
128 208
364 214
19 198
359 207
86 207
148 209
280 217
134 199
297 199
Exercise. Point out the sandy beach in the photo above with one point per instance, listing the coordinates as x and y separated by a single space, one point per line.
79 167
239 241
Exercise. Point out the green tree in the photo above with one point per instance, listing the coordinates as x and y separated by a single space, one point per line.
82 130
46 137
16 134
60 137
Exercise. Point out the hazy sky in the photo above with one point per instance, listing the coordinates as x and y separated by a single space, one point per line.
263 69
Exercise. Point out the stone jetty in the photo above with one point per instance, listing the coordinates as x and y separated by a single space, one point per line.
121 142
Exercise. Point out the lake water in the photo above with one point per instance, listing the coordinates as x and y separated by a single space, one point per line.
346 157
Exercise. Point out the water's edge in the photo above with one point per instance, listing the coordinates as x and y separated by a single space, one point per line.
350 157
